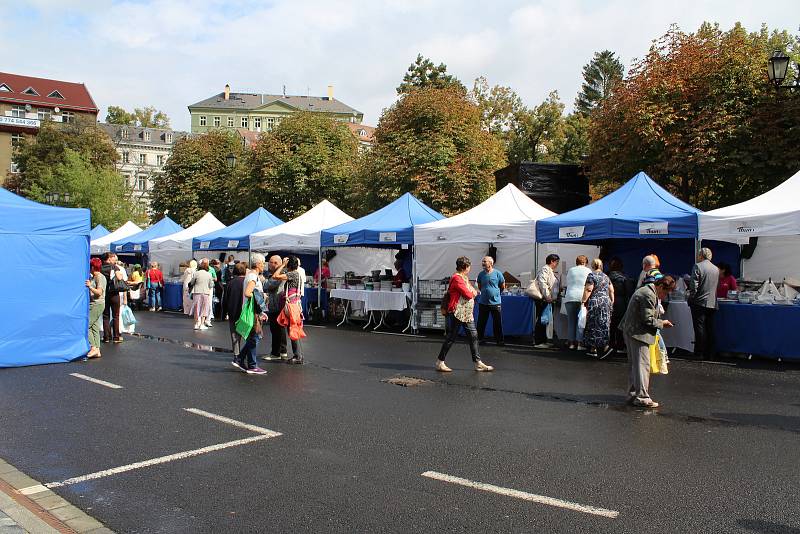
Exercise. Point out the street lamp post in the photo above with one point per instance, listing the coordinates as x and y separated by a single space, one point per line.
778 66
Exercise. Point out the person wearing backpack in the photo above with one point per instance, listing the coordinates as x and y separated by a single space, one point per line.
457 307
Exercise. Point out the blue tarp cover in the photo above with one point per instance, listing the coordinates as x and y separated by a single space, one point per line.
237 235
141 242
640 209
44 303
389 225
98 232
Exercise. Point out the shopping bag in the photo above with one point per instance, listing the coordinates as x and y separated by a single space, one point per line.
246 319
547 315
582 314
126 314
658 359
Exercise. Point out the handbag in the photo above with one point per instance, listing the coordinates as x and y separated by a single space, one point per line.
533 290
246 319
547 315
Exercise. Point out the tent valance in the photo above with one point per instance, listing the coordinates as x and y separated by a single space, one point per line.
237 235
140 243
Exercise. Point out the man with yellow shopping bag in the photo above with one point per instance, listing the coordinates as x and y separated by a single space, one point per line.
640 326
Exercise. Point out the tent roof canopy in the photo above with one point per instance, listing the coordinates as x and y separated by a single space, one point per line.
507 216
182 240
237 235
98 231
137 243
392 224
103 244
640 209
301 233
774 213
19 215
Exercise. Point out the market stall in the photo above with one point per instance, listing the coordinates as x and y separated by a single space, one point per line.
102 244
42 291
237 235
638 218
139 243
391 227
173 249
98 232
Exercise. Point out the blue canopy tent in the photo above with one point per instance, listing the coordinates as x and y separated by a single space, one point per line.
237 235
139 243
98 232
44 304
639 210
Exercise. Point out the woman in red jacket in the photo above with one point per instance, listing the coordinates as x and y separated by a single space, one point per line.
458 314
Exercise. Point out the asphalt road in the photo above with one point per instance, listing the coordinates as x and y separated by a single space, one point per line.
720 456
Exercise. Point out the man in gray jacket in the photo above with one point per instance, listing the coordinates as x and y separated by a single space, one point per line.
639 325
703 303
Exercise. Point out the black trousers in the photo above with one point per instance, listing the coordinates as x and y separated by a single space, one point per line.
703 322
452 328
112 306
540 330
484 310
277 335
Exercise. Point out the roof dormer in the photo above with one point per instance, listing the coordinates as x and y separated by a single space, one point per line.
56 94
30 91
4 88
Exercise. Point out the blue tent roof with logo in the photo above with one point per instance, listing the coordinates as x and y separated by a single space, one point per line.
640 209
391 224
98 232
139 242
44 304
237 235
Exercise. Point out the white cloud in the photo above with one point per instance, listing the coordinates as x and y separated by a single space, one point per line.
171 53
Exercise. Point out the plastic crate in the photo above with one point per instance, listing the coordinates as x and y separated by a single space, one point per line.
431 289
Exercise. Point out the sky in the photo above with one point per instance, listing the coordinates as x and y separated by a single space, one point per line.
173 53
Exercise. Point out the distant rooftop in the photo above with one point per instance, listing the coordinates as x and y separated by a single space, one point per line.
250 101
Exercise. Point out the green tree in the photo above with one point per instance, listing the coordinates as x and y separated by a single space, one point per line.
573 145
699 115
197 179
600 76
499 105
430 143
147 117
423 73
308 158
538 132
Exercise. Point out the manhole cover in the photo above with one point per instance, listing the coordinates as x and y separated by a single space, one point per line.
406 381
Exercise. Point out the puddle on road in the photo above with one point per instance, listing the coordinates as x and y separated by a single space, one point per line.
407 381
187 344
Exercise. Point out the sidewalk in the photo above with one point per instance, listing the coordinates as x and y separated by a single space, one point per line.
27 506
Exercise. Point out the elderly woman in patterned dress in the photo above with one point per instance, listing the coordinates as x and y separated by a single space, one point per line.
598 297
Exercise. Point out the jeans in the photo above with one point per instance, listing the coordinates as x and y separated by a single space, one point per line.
154 297
247 355
540 330
452 327
573 308
484 310
112 307
278 335
297 349
703 322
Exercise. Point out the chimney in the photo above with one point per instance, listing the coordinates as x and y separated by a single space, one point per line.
330 92
227 92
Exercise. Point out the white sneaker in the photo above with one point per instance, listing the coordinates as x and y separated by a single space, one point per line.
208 324
542 346
203 327
197 327
480 366
442 367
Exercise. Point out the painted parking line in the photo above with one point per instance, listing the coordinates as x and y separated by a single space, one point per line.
525 496
96 381
263 433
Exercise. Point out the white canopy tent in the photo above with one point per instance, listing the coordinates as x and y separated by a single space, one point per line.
103 244
169 251
301 234
773 217
506 220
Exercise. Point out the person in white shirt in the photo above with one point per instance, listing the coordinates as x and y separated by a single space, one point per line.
576 280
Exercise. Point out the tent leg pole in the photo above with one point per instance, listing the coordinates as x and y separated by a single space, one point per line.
319 282
414 288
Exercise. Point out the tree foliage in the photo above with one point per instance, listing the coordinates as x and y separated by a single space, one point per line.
147 117
308 158
430 143
600 76
698 114
197 179
423 73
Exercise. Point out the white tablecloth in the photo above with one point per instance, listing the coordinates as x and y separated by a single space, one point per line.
374 300
681 335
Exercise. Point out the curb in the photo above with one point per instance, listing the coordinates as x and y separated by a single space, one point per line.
36 509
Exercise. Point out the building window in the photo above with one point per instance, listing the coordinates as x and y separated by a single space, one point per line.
18 111
30 91
16 139
126 156
244 122
270 123
141 183
43 114
55 94
168 137
257 123
230 122
5 88
146 136
143 159
68 116
14 167
127 178
124 133
217 122
362 133
202 120
160 160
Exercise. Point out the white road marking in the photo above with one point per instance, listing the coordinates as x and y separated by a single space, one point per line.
30 490
96 381
263 433
541 499
253 428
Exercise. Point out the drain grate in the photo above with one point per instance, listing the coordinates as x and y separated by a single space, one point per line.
406 381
